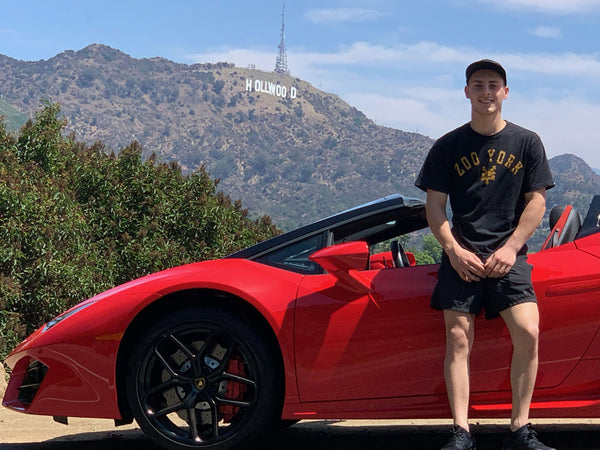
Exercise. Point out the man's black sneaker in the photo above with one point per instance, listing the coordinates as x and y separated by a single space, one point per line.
461 440
525 438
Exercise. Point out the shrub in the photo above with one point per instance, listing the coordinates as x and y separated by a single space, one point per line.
76 220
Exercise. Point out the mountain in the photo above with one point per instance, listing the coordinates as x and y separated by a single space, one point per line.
283 147
575 182
296 157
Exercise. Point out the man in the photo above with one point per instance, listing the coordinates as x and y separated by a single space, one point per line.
495 174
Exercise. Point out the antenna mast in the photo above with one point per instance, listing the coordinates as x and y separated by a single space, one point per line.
281 61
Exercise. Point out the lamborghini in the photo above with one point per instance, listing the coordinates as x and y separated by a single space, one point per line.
331 320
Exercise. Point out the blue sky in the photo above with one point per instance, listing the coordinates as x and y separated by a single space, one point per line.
400 62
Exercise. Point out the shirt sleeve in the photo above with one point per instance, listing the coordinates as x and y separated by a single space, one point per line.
538 173
434 173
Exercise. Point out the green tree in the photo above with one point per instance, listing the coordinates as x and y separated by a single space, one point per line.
76 220
432 247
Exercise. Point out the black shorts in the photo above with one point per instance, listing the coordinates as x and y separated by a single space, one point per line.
495 294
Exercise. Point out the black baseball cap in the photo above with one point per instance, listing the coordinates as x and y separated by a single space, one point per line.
486 64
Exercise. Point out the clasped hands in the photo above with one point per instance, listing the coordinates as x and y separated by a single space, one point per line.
471 268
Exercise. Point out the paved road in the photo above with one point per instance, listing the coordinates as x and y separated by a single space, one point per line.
347 435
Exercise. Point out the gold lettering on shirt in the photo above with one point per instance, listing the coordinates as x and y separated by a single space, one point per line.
465 163
509 161
517 167
501 157
488 175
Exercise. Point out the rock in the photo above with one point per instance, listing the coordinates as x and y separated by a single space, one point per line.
3 383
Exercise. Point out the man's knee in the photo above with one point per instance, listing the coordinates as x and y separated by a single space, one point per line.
526 336
523 323
457 340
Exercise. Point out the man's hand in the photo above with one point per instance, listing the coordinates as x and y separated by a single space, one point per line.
467 264
500 262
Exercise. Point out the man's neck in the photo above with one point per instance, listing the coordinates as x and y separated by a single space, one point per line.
487 126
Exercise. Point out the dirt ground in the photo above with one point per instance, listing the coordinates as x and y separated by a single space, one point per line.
26 432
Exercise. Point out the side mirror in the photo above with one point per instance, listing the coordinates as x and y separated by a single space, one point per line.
343 261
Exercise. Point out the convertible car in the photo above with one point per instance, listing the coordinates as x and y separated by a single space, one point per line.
331 320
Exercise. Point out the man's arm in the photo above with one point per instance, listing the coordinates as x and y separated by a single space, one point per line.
467 264
500 262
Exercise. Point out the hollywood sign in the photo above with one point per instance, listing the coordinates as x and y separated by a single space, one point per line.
268 87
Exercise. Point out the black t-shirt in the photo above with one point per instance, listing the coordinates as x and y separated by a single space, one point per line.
486 178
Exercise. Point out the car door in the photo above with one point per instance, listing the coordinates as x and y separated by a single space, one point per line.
567 283
385 343
355 345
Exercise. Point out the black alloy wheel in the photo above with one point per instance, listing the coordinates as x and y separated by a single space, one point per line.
203 378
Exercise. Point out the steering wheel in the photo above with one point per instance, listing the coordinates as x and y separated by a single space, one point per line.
399 255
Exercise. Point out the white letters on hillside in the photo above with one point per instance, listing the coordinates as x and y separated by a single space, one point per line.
268 87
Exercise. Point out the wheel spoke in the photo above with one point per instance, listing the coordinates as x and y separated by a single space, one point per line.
165 363
186 351
224 363
193 424
197 382
195 357
215 417
233 402
163 386
170 409
206 343
232 377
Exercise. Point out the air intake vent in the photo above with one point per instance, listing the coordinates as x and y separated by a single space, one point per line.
36 371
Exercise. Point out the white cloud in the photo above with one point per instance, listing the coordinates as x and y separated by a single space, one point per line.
426 54
418 88
547 32
566 125
412 113
241 57
564 64
419 55
353 15
548 6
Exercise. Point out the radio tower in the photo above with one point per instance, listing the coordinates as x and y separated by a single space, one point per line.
281 61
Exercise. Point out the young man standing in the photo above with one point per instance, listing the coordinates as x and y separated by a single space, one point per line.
495 174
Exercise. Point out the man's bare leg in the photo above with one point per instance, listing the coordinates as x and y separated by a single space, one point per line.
459 341
523 324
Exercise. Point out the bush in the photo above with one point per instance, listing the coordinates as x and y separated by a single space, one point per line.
75 220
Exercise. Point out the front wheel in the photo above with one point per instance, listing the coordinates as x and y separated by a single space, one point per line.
205 379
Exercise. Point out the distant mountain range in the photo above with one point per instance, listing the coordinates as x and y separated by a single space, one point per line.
283 147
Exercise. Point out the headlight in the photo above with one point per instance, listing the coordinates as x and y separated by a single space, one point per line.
66 314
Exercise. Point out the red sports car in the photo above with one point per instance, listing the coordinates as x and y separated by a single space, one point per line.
331 320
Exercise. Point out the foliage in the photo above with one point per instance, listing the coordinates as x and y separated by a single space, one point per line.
75 220
431 251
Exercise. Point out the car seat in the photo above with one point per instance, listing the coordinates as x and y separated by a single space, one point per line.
565 222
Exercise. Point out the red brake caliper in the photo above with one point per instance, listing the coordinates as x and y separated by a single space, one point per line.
235 390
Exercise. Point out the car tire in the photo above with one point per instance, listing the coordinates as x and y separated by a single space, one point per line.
205 379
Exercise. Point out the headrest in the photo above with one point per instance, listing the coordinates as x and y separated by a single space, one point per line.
555 214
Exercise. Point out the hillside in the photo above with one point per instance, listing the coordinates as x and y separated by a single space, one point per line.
294 158
283 147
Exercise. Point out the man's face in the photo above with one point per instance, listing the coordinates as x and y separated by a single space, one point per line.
486 91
